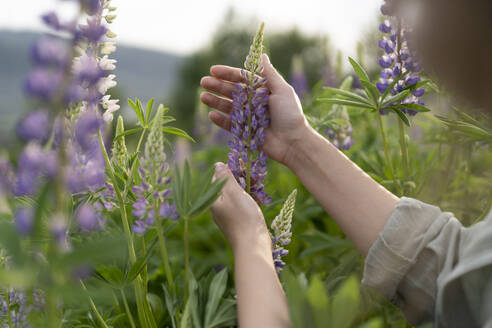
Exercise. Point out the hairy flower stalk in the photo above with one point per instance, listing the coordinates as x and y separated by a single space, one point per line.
249 120
281 231
119 151
398 61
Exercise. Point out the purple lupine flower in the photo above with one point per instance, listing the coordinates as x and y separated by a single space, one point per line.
153 189
86 129
249 121
396 60
93 31
43 83
24 218
298 78
87 218
50 51
35 126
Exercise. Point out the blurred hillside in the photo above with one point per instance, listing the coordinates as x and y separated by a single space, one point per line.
140 73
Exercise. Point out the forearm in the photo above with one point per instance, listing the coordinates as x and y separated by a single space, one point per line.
261 301
358 204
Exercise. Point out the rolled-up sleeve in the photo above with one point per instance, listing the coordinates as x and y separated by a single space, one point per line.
419 256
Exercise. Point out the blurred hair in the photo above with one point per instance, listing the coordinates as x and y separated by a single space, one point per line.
453 39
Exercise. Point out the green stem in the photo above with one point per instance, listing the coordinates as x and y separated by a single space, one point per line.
165 257
93 306
187 259
404 153
144 312
386 152
127 309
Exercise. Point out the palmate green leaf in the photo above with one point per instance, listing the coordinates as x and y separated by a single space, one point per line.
148 113
112 275
371 90
138 111
193 303
216 291
226 314
128 132
177 132
186 318
416 107
168 119
401 115
348 103
359 70
349 95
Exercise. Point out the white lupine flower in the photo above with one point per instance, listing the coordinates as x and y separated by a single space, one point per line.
106 83
107 64
108 48
110 34
110 18
111 106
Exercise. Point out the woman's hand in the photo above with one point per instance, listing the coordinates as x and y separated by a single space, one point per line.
288 124
237 214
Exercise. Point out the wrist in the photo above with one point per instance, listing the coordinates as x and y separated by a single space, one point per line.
299 148
259 243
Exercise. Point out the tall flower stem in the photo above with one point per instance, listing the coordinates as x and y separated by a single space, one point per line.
248 167
93 307
162 246
404 152
386 152
127 309
144 310
187 259
51 308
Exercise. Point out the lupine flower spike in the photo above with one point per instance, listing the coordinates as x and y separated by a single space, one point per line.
154 180
119 151
398 60
281 231
249 120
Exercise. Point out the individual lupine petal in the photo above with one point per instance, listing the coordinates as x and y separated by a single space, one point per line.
418 92
108 48
92 7
43 83
106 83
50 51
385 27
24 218
140 207
87 70
32 158
168 211
87 218
35 126
107 64
86 129
139 227
111 106
93 31
385 61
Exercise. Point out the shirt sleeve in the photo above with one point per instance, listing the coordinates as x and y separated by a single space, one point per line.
428 264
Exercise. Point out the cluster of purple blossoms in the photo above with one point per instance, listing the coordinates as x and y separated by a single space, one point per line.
396 61
298 78
249 121
17 305
153 191
341 136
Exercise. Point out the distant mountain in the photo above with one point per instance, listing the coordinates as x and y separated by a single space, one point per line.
140 73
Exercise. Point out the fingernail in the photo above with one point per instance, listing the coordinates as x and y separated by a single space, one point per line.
219 167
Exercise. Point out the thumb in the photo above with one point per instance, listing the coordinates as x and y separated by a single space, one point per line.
275 81
222 171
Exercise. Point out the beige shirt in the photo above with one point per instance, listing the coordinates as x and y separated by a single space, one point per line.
432 267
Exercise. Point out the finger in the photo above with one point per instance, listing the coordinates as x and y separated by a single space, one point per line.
219 86
227 73
222 171
275 81
222 104
221 120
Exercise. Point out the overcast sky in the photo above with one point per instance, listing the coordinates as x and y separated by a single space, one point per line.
182 26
